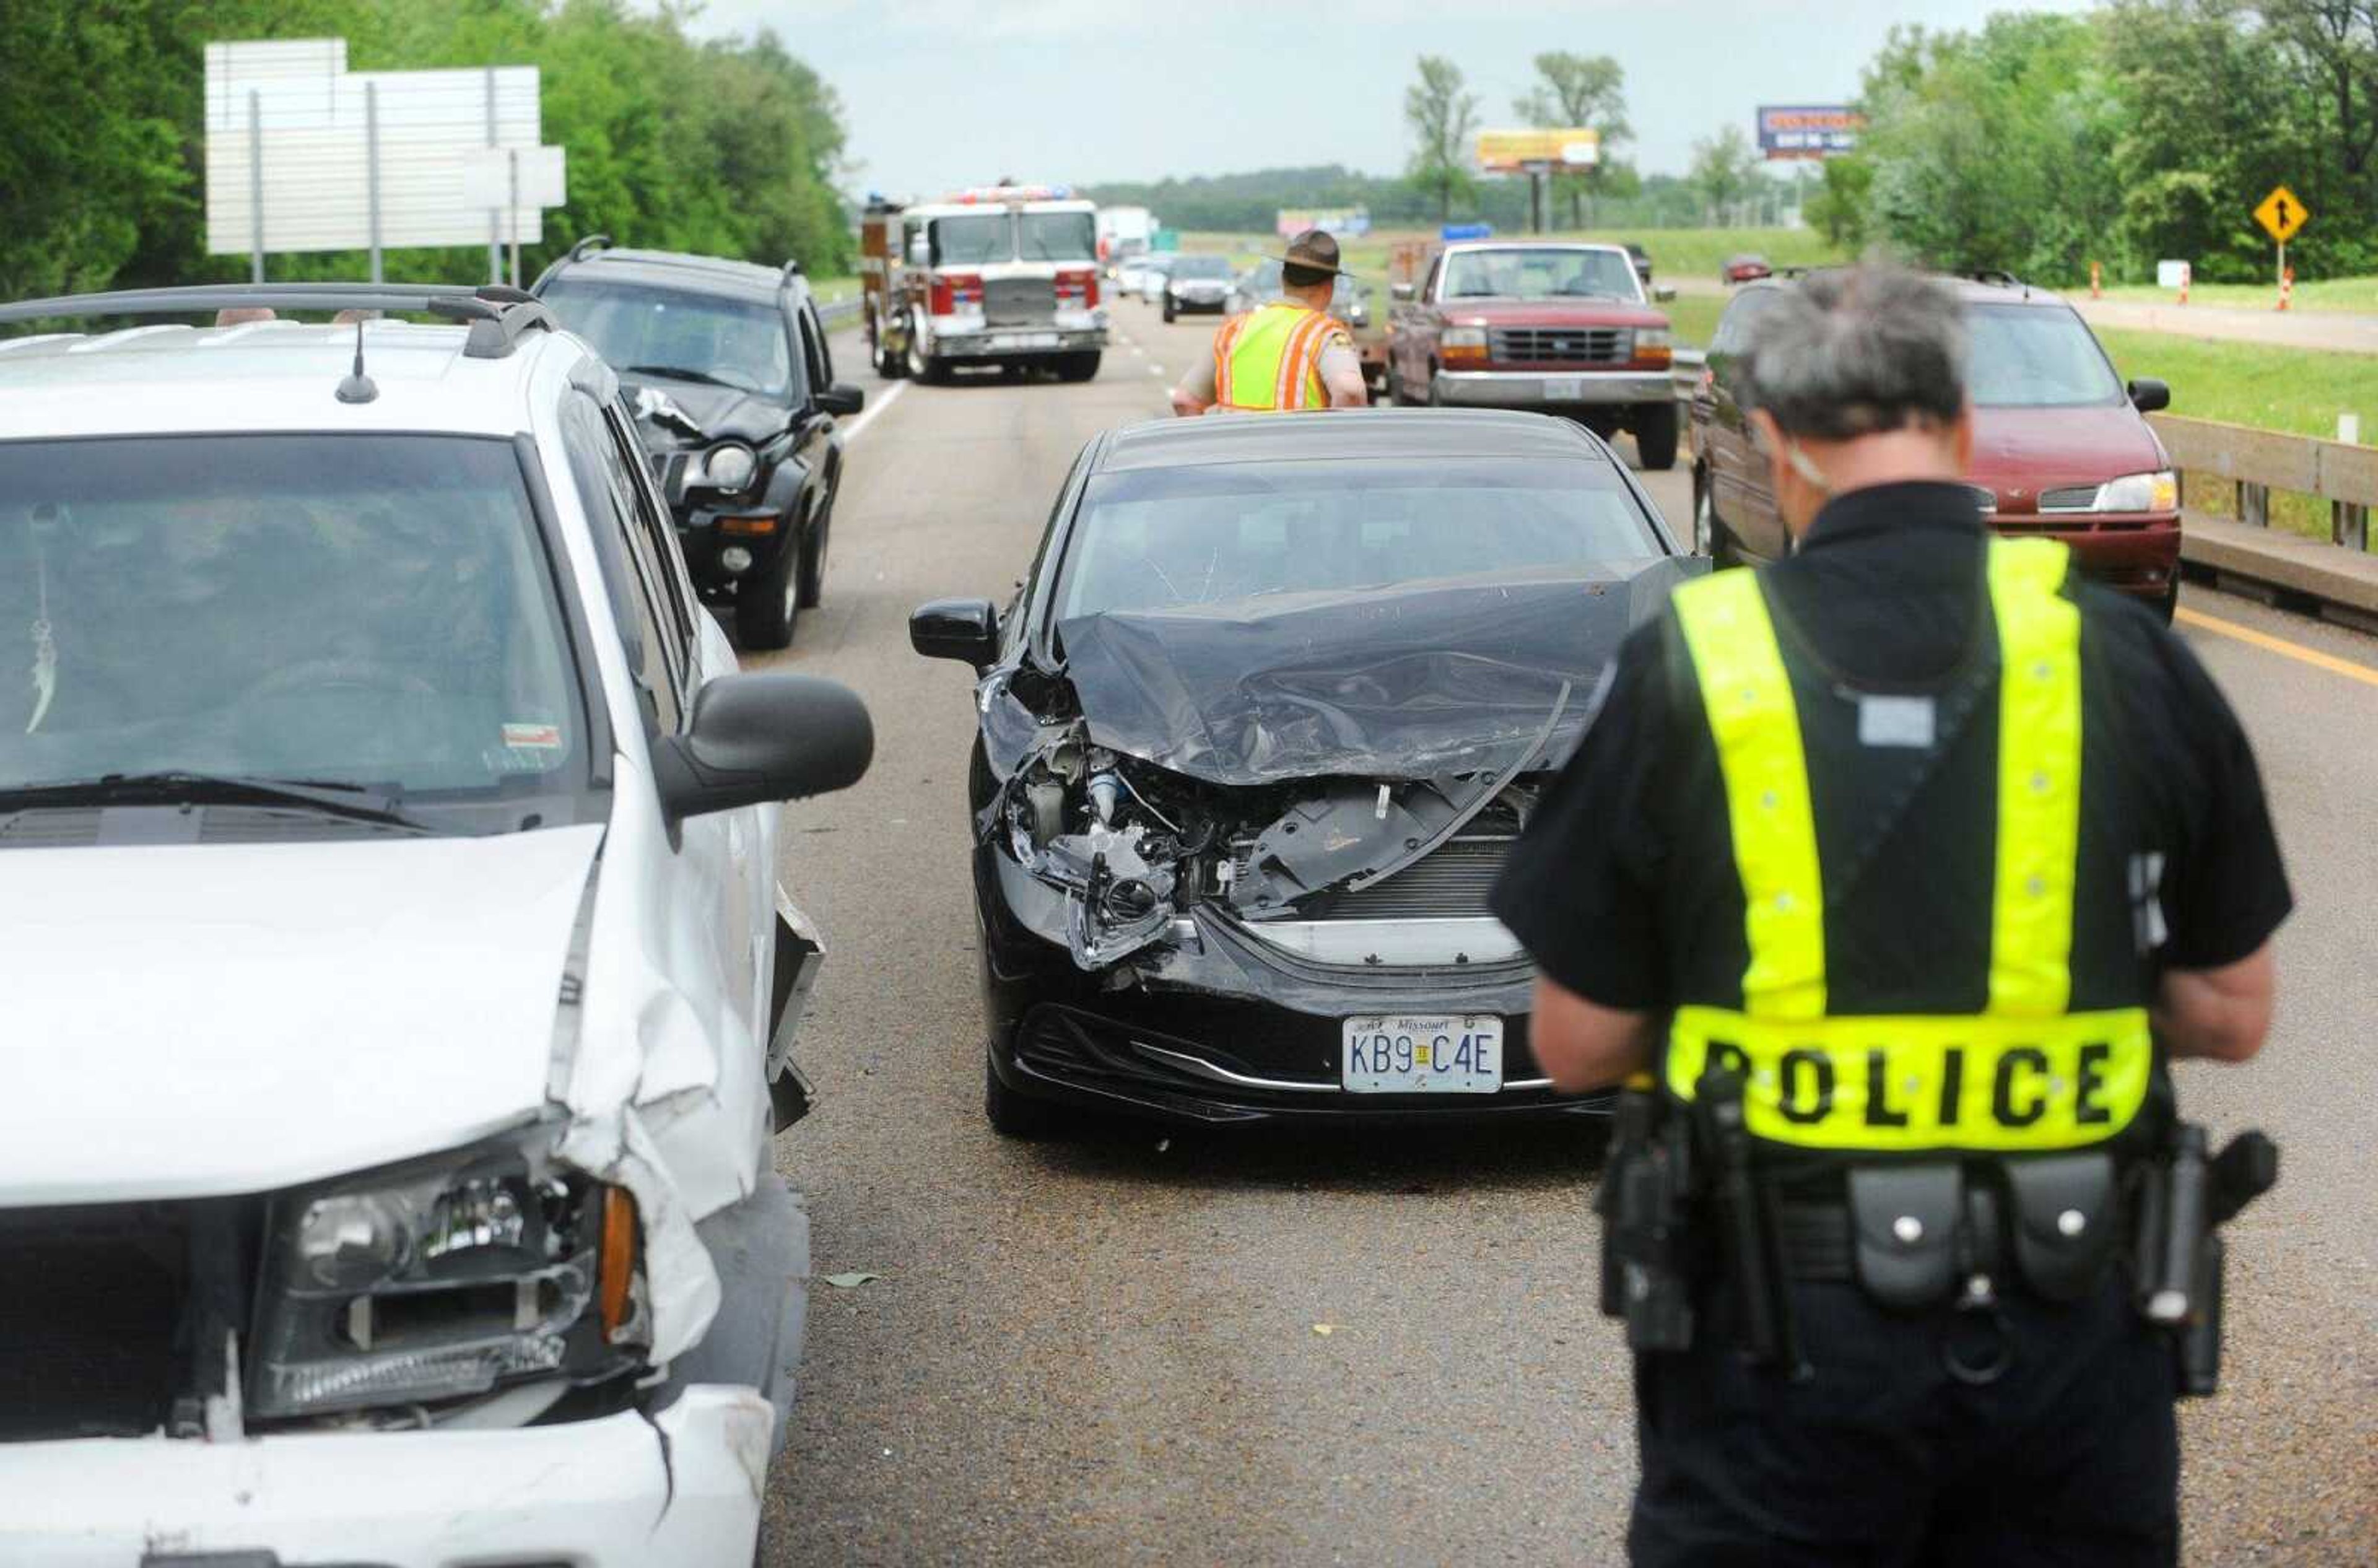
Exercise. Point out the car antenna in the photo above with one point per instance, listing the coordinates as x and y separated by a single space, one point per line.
358 387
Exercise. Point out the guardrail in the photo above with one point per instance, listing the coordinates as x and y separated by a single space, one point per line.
1686 367
839 311
2246 555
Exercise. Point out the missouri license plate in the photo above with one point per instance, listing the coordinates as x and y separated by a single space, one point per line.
1456 1053
1026 340
1564 388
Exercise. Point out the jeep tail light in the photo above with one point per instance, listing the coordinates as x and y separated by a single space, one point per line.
1079 287
956 291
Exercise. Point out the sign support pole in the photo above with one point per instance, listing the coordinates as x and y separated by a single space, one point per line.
371 172
495 229
256 183
514 162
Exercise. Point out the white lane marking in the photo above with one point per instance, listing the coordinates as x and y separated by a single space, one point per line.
850 432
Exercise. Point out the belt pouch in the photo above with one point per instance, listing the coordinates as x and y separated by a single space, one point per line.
1904 1223
2066 1221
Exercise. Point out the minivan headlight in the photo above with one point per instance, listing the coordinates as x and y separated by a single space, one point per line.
730 465
444 1277
2156 492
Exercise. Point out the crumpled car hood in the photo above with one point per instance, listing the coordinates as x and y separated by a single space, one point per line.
215 1019
1408 682
722 412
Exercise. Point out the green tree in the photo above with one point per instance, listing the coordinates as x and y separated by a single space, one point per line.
1726 171
1442 115
1580 89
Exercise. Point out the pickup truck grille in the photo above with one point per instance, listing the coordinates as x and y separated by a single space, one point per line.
88 1320
1565 346
1019 302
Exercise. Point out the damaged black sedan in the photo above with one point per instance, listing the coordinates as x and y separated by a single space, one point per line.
1277 698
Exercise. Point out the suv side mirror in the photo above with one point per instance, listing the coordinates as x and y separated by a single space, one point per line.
1663 292
841 397
1402 291
2149 395
966 629
758 736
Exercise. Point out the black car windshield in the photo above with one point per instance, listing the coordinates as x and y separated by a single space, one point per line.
1152 539
1057 236
653 330
1202 267
2036 356
367 610
1539 272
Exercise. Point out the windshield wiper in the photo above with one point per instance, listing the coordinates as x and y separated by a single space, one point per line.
327 797
680 373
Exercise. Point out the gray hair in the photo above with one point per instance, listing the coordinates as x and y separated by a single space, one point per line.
1857 352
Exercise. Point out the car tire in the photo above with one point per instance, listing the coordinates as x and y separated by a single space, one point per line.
921 366
1169 313
892 366
1019 1116
810 584
1077 367
2168 605
766 606
1655 436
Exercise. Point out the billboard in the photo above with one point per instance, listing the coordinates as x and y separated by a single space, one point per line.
1809 130
334 154
1350 222
1538 151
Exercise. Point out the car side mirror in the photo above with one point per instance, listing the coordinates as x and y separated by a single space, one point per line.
758 737
1403 291
966 629
1663 292
841 399
920 252
2149 395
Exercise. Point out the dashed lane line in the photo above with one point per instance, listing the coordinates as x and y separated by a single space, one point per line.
2279 645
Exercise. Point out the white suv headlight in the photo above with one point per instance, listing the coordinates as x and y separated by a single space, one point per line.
730 465
2156 492
444 1277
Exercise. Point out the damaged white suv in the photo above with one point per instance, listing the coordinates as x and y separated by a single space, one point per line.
395 994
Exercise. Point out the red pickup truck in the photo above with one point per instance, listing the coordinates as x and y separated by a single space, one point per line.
1557 328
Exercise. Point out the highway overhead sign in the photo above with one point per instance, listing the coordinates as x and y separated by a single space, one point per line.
2281 214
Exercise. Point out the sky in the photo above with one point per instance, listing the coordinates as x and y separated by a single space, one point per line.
944 93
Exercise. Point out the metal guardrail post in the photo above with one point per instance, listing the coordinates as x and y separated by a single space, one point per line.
2255 504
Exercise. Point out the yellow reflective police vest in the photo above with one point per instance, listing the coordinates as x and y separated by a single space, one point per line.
2024 1074
1270 359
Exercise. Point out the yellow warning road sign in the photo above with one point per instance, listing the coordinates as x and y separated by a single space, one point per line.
2281 214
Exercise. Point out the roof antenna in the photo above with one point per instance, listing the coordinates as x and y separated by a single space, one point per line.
358 387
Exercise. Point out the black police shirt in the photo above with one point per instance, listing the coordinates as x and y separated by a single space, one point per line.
1624 888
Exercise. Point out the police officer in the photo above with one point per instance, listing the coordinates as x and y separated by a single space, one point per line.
1288 354
1896 873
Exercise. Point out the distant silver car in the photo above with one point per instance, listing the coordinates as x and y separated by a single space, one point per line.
1152 275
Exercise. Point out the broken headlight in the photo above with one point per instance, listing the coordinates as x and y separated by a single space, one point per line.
444 1277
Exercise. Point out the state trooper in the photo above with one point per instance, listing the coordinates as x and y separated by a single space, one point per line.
1889 880
1288 355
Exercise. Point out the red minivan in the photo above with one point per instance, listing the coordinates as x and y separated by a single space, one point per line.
2060 446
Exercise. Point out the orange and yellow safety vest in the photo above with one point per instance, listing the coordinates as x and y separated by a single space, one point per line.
1270 359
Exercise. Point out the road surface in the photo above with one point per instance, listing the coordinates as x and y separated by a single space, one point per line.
1371 1349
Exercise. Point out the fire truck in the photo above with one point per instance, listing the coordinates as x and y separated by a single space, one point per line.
1003 275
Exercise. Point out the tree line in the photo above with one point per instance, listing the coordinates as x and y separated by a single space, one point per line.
2143 131
721 148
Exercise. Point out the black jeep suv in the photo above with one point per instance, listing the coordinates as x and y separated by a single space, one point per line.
726 367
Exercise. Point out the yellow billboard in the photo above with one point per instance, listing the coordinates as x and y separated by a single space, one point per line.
1560 148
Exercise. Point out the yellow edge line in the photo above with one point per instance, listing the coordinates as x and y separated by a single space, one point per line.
2279 645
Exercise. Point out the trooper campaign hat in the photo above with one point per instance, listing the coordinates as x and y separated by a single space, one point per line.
1315 250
